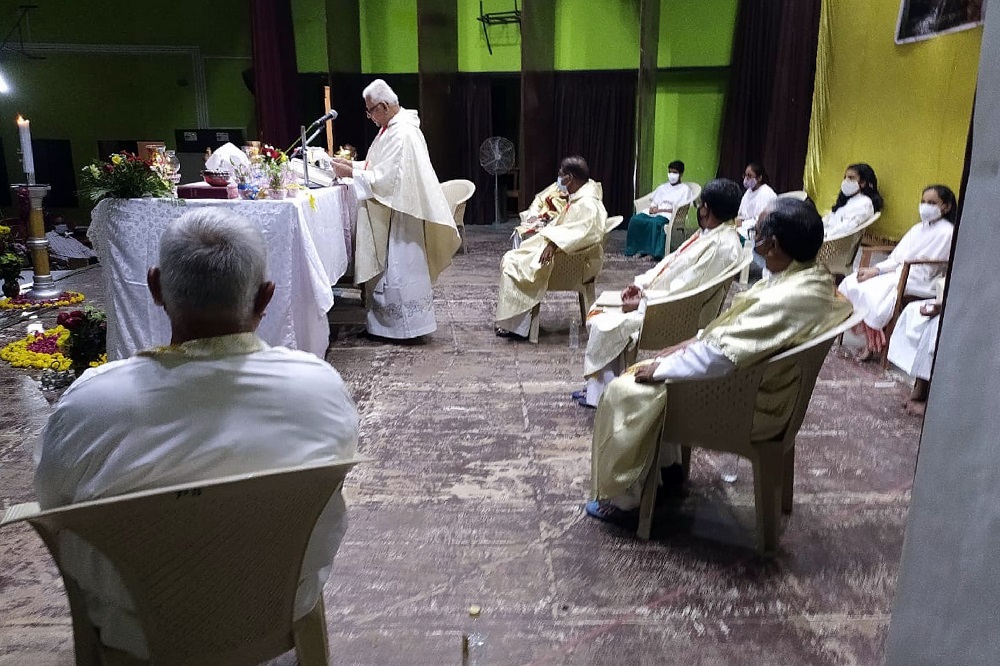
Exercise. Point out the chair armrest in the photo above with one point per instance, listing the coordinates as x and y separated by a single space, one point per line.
927 262
20 512
868 250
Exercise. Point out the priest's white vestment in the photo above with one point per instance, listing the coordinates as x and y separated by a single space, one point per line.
406 234
202 410
524 279
698 261
777 313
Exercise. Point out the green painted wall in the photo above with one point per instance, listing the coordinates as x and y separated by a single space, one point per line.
597 34
89 97
309 24
688 121
473 56
696 33
389 36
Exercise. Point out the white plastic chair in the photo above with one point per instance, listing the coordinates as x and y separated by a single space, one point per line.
838 252
801 195
212 566
576 272
458 193
679 317
718 414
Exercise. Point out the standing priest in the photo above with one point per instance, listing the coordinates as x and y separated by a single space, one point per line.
406 233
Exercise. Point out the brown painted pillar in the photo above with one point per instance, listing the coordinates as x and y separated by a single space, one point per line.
649 41
437 44
537 158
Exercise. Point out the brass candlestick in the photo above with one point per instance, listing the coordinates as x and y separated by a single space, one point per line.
43 286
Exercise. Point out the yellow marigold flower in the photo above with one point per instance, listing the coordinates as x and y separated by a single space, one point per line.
116 159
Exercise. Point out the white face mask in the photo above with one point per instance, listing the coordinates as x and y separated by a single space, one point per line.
749 183
929 212
673 178
561 185
850 187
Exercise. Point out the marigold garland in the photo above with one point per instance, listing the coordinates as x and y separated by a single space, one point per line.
43 350
24 303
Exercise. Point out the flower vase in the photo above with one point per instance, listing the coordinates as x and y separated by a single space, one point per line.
247 191
11 289
276 193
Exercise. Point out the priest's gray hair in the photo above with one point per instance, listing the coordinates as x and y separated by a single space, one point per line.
378 91
212 261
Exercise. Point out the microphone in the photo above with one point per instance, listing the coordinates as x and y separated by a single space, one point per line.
329 115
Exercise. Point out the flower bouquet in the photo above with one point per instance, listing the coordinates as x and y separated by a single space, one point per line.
88 337
11 263
273 164
123 176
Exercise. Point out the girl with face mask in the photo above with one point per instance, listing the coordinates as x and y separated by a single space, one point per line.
857 201
756 199
875 288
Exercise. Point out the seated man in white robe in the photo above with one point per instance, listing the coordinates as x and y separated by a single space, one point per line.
216 402
913 343
524 272
792 306
406 234
699 260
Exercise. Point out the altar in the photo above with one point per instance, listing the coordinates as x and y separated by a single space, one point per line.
308 250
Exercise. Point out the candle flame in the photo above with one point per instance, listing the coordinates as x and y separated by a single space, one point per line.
20 120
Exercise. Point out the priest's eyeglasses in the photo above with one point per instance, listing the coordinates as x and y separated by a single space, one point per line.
369 110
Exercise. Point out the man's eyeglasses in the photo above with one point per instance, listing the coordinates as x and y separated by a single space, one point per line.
369 110
760 241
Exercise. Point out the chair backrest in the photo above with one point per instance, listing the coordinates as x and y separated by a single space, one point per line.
642 203
801 195
212 566
838 252
612 223
458 192
571 271
678 317
719 413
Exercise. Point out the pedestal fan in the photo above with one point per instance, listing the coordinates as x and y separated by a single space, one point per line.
496 155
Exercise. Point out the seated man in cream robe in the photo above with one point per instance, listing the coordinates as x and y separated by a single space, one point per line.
217 402
406 234
701 259
792 306
524 272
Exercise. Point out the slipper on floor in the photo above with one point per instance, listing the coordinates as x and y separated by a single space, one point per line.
579 395
511 335
609 513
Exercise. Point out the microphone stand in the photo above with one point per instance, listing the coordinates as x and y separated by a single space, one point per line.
305 148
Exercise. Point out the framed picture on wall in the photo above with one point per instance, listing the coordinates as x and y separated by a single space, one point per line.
923 19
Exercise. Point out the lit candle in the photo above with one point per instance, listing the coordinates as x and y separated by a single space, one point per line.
24 128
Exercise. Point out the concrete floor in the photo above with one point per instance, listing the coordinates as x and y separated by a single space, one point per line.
482 467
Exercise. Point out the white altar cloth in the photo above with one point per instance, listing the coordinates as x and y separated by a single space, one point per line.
307 252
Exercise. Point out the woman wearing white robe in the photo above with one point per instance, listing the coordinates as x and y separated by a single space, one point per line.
913 343
875 288
756 199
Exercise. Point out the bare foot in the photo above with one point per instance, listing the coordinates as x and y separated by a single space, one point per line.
915 407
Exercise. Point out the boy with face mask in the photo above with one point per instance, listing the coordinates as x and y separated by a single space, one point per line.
645 230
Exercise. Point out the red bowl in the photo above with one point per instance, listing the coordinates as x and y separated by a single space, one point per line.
216 178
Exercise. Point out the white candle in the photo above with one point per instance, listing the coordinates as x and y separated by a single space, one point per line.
24 128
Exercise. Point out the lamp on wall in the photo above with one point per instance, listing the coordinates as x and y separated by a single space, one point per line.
4 86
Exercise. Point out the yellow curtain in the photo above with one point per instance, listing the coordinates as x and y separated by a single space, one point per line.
903 108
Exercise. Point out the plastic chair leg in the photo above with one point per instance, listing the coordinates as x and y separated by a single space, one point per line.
587 298
788 481
311 646
461 236
767 474
648 501
535 325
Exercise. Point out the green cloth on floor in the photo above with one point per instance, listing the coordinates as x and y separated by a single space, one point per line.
646 236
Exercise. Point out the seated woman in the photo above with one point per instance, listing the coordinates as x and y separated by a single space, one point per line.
875 288
645 229
857 202
757 197
913 343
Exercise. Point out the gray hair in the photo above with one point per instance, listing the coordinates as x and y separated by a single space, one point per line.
378 91
212 260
